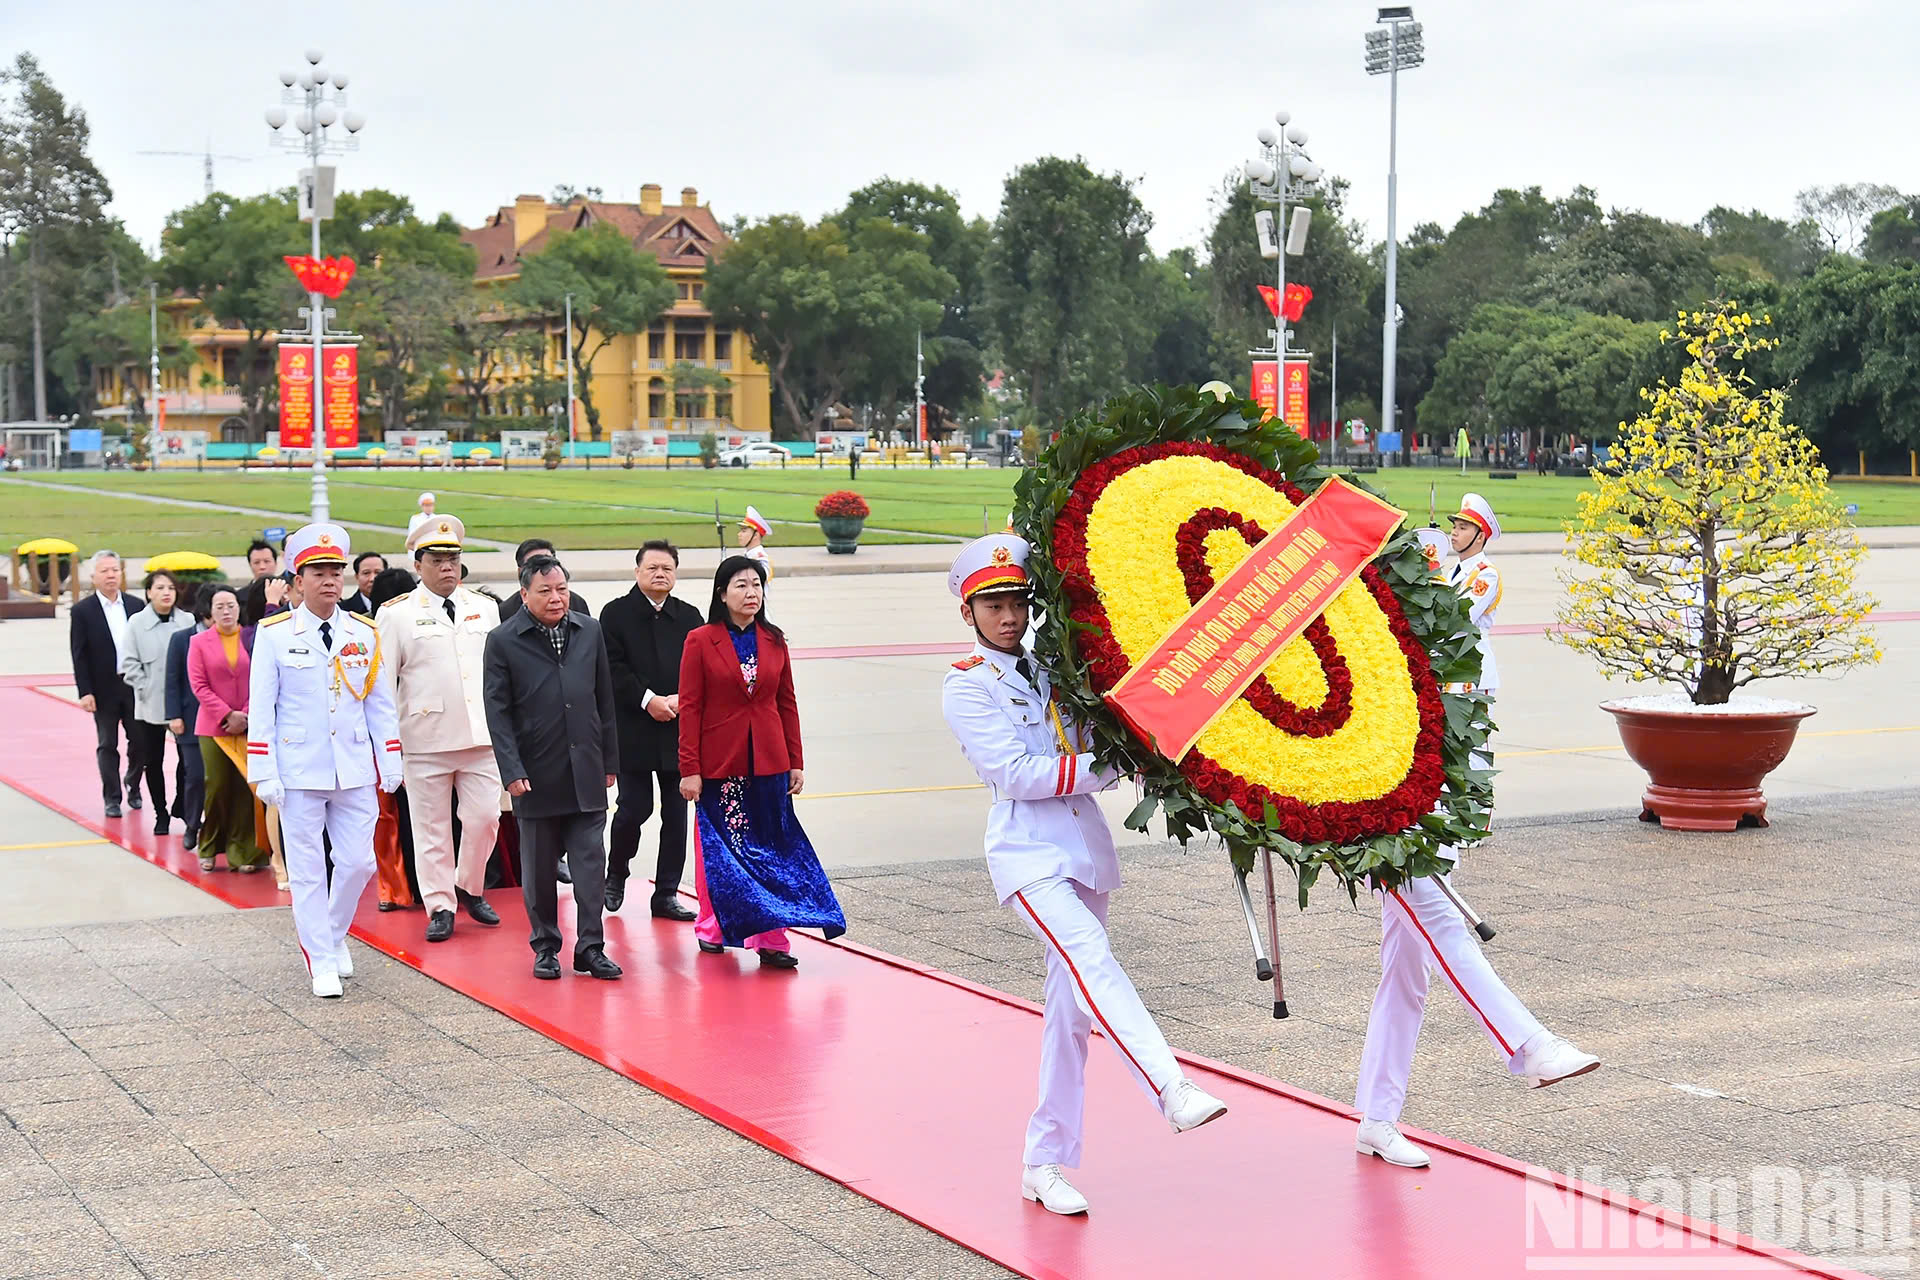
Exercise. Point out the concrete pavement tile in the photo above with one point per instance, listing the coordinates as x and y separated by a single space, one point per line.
281 1149
768 1244
41 1064
340 1208
674 1211
281 1260
171 1237
421 1251
182 1052
125 1165
425 1135
633 1261
799 1197
132 1205
64 1088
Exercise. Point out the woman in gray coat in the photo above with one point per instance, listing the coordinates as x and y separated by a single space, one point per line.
144 667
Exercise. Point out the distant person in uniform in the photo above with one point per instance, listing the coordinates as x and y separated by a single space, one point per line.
753 534
321 739
1053 862
425 513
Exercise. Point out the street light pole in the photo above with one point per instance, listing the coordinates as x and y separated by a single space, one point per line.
318 107
1387 52
153 374
919 391
569 324
1273 178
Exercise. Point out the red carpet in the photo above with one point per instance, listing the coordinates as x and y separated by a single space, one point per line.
912 1088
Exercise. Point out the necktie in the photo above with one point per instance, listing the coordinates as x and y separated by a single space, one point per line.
448 602
1025 669
326 636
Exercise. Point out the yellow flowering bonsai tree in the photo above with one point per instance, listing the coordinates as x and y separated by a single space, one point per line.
1710 552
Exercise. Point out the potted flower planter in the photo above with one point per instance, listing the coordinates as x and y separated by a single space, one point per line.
1705 764
842 515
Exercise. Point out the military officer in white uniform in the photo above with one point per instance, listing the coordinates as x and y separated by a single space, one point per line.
433 644
320 736
1052 860
1421 928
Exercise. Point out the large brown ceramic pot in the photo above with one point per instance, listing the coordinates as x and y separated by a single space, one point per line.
1704 769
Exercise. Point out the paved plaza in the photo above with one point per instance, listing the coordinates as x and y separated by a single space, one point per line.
177 1105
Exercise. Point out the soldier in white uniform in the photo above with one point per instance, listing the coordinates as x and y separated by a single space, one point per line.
1422 928
754 532
433 644
320 736
1052 860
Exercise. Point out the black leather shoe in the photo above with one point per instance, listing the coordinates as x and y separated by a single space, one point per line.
594 961
163 825
711 948
478 908
440 926
546 965
770 959
113 810
671 910
561 873
134 801
190 837
391 906
616 896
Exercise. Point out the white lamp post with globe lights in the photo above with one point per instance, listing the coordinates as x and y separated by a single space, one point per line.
313 101
1283 172
1401 46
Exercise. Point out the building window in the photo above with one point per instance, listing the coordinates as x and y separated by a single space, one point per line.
656 399
687 293
722 348
690 404
689 346
723 405
656 344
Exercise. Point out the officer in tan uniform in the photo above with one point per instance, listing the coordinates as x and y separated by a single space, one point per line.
434 642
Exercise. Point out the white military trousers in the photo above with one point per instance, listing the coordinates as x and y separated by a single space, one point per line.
1085 986
1421 929
432 779
322 912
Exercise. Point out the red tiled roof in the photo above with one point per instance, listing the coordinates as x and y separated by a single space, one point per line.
496 255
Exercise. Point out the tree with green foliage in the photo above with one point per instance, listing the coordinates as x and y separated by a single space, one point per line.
1630 264
827 308
1463 392
617 290
1755 242
1894 233
229 253
49 189
1844 211
1851 350
1064 278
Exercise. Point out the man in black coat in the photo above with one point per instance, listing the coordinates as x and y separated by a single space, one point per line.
646 629
97 635
550 712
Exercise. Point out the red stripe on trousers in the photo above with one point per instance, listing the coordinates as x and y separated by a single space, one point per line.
1082 984
1441 960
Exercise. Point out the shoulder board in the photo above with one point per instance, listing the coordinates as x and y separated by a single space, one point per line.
270 619
968 664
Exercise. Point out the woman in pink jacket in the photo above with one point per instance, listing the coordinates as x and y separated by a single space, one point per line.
219 668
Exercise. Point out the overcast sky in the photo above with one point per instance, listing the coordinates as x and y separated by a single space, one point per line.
1665 105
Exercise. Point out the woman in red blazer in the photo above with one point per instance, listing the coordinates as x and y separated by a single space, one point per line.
755 871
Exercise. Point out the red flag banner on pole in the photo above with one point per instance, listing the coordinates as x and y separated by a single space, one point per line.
1298 296
1293 397
296 397
1266 387
1238 628
340 397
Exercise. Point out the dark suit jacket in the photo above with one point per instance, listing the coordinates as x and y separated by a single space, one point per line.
644 645
357 603
552 721
96 671
725 732
510 604
181 704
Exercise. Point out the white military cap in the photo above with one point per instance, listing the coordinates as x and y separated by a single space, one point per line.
318 544
1477 511
436 533
992 565
754 520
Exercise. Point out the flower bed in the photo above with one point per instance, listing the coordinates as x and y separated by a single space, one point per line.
1344 755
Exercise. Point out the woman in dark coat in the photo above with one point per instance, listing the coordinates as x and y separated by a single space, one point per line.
740 761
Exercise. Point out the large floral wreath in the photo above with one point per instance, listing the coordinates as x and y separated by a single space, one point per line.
1348 754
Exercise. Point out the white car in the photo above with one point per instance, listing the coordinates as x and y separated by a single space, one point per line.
758 451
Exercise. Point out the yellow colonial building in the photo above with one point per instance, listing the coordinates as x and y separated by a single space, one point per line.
631 387
631 375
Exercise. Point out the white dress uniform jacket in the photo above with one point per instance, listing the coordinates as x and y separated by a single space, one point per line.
1477 580
1044 822
305 728
437 667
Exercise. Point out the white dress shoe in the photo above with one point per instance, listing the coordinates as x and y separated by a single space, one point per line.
1547 1059
326 984
1047 1183
1188 1106
343 962
1382 1138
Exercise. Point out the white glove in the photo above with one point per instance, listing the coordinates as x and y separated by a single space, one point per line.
391 783
271 793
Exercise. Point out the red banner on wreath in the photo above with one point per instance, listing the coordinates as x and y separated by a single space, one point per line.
1238 628
340 397
296 397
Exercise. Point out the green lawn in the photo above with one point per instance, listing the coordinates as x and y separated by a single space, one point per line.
619 508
